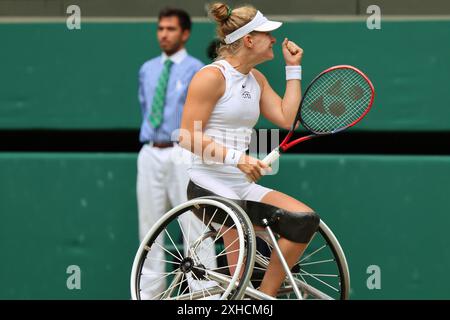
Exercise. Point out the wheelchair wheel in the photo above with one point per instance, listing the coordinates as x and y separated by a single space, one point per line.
189 273
321 272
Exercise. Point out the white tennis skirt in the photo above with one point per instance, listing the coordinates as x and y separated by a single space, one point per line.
233 185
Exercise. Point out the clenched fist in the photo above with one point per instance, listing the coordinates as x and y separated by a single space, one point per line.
292 53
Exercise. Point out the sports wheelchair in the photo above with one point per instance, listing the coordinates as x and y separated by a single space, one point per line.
190 274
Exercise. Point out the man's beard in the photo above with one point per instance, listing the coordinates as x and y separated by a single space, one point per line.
172 49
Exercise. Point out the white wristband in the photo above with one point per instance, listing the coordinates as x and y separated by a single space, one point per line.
232 157
293 72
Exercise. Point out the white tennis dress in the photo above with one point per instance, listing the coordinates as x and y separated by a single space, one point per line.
230 124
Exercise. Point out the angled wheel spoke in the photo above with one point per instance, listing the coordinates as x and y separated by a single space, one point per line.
321 281
313 253
178 258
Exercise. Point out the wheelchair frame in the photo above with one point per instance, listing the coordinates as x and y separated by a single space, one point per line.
238 285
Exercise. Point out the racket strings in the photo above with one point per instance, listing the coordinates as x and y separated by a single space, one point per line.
335 100
333 111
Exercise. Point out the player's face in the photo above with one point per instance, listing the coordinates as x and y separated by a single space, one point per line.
171 36
263 45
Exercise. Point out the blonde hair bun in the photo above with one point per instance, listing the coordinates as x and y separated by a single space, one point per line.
220 12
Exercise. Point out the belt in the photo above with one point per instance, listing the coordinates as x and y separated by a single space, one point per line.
162 144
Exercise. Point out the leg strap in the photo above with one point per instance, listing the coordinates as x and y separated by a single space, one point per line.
295 226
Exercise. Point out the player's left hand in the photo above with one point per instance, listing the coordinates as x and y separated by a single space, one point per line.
292 53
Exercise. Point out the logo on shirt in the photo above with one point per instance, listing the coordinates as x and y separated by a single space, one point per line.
246 95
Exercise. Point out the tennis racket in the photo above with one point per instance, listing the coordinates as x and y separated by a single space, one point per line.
337 99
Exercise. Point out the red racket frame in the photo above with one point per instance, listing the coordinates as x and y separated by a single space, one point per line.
285 145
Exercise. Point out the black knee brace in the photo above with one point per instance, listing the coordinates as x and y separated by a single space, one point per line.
295 226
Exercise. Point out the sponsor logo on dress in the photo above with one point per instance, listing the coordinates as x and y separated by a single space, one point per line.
246 95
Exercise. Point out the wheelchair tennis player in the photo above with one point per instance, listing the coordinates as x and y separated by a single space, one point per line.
223 104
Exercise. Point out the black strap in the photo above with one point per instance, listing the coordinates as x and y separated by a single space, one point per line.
295 226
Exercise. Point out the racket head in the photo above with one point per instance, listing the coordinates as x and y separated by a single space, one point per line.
337 99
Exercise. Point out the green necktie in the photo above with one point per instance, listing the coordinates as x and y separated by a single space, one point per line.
160 95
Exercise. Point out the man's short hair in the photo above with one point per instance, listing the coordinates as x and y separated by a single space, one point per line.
183 16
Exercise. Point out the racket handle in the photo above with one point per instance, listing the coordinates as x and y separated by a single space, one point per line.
271 157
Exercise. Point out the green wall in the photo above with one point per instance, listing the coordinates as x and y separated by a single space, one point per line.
389 211
61 209
55 78
80 209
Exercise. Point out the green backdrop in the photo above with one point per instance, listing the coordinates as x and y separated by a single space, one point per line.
80 209
52 77
62 209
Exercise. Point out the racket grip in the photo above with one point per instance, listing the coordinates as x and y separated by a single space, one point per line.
271 157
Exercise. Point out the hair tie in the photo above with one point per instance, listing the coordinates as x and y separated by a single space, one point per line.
229 12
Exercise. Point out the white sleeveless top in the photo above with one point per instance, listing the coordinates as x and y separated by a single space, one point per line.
233 118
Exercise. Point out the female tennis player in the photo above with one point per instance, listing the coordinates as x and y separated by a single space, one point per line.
223 104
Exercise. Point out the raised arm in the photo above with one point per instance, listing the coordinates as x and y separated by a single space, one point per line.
282 111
